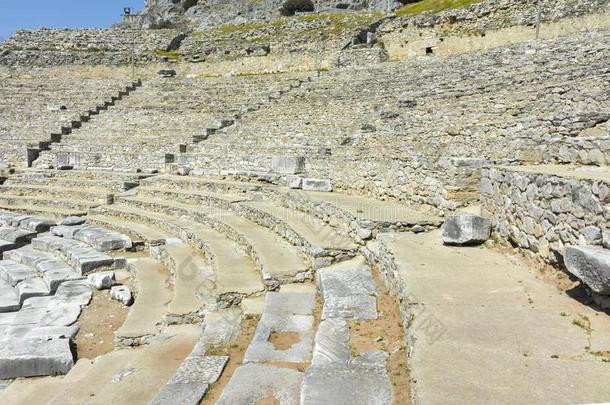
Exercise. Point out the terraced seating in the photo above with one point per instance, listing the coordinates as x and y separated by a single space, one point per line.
409 125
60 193
144 131
35 105
42 292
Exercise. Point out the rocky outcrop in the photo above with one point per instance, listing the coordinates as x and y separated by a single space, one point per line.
207 13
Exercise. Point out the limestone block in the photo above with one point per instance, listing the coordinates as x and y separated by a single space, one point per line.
465 229
288 164
34 357
102 281
252 382
591 264
317 185
346 384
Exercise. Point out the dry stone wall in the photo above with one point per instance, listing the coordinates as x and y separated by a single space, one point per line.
544 209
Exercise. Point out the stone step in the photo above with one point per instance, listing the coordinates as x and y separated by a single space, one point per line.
14 272
311 235
138 231
278 261
301 229
9 297
16 235
193 282
108 185
199 371
360 217
149 309
196 183
101 239
79 255
10 200
34 357
348 291
46 211
235 274
95 195
5 246
27 262
25 222
92 175
32 287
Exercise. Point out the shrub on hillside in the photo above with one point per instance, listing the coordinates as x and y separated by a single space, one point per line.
291 7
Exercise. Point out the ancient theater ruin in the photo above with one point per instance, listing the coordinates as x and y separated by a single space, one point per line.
309 202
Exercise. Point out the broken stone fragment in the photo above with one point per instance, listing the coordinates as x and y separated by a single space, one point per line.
121 293
466 229
102 281
591 264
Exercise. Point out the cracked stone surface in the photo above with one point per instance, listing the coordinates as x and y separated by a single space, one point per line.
348 291
252 382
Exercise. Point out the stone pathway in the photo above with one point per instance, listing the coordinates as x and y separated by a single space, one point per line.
484 329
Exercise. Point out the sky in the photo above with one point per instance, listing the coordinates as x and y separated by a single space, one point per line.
32 14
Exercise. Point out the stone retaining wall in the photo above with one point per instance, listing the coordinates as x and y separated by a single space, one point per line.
542 213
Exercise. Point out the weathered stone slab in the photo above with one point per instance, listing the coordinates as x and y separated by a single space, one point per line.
9 299
348 292
591 264
290 303
466 229
288 164
346 385
16 235
13 272
183 394
36 224
102 240
32 287
351 307
42 332
261 349
74 292
65 231
332 343
34 357
317 185
253 382
219 329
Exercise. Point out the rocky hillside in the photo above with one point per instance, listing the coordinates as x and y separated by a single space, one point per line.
206 13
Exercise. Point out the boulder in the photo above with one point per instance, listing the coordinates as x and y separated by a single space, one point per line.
591 264
288 164
466 229
317 185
